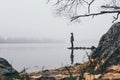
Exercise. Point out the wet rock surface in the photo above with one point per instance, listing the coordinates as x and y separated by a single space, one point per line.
6 68
109 46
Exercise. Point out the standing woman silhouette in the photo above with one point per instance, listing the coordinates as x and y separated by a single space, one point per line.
72 45
72 40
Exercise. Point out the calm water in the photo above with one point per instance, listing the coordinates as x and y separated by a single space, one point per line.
36 56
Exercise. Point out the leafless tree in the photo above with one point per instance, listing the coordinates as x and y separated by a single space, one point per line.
75 9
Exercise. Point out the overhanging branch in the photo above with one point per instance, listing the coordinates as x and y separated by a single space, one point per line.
94 14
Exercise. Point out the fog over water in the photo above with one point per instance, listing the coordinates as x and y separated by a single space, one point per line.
34 19
36 56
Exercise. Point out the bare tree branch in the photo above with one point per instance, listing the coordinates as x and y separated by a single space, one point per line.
112 7
86 2
72 8
116 18
90 5
95 14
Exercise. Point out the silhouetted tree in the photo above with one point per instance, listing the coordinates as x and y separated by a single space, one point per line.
75 9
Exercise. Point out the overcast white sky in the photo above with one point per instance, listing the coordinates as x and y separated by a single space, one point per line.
35 19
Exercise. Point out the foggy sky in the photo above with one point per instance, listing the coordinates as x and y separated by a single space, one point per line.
35 19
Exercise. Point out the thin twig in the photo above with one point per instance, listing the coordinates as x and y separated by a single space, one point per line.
116 18
89 5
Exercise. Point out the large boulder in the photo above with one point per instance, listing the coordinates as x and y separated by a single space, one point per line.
6 69
109 46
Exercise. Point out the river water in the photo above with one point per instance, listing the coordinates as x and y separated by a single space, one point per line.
34 57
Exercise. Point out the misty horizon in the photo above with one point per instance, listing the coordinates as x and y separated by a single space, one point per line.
29 40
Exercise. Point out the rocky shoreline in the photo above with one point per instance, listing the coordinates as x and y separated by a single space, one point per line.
103 61
103 64
63 73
